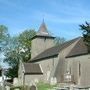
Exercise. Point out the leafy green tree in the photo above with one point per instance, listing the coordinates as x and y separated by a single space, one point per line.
25 43
4 35
19 48
11 57
86 33
59 40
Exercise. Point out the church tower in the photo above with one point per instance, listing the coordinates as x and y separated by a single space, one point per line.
41 41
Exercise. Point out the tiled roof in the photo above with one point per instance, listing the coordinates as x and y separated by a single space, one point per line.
79 49
54 51
43 32
43 28
31 68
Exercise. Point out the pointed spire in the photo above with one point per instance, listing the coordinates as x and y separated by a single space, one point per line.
43 32
43 29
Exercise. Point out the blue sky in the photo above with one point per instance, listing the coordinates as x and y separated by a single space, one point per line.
62 17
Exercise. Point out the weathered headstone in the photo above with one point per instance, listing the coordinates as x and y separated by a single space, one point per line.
53 80
33 87
15 82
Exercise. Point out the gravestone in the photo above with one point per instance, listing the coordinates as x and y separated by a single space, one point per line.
53 81
15 82
33 87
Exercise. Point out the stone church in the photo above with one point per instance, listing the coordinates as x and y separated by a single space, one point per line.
65 63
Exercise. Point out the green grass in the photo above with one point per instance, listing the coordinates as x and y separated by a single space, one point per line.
44 86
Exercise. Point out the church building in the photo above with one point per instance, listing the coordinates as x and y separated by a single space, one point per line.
65 63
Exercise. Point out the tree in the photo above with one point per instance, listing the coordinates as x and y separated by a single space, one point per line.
19 48
59 40
4 35
25 43
86 33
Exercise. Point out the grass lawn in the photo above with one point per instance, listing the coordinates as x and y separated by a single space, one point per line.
44 86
